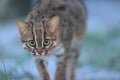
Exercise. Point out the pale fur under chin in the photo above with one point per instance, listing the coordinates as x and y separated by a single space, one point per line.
42 58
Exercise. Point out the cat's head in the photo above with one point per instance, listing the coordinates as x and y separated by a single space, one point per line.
39 36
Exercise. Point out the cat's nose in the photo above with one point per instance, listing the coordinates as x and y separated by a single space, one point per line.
40 50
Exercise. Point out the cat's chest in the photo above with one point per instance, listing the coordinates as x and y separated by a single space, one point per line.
58 51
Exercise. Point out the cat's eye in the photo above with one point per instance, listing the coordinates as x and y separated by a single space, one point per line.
46 42
32 43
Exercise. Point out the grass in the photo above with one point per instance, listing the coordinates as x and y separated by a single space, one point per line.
3 74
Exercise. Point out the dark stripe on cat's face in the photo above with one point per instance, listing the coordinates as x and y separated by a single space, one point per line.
39 37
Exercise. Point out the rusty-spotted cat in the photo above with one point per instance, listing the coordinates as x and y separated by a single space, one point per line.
54 27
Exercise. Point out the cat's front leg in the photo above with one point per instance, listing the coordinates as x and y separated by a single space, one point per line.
62 61
42 69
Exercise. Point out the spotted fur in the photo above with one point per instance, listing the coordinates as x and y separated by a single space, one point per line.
61 25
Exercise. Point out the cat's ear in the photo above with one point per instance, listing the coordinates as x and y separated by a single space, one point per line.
21 26
53 24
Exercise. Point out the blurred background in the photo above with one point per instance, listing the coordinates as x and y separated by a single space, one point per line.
100 56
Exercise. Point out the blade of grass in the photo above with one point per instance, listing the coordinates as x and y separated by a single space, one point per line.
4 69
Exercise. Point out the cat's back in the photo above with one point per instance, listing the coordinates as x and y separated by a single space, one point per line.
72 14
49 8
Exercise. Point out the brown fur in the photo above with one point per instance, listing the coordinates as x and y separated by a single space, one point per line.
61 22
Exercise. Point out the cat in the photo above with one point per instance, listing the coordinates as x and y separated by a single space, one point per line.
55 27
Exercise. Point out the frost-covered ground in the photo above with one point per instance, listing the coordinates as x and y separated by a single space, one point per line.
97 62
